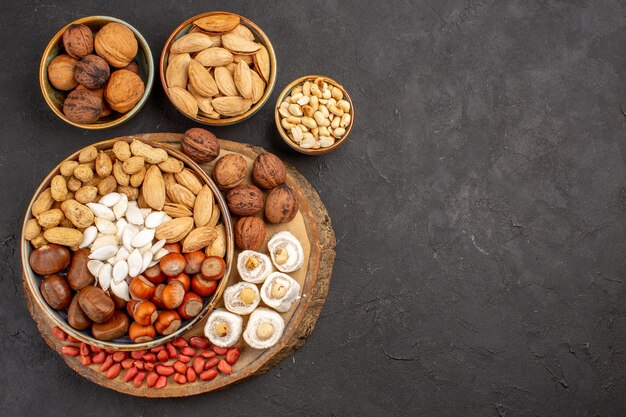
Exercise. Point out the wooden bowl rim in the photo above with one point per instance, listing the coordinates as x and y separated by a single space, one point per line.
281 130
25 250
268 89
43 68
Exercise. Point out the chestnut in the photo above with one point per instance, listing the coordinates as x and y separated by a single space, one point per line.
194 262
141 289
154 274
191 305
116 327
202 286
173 247
167 322
120 303
56 292
145 313
49 259
173 294
157 298
172 264
213 268
139 333
183 279
78 276
76 317
96 304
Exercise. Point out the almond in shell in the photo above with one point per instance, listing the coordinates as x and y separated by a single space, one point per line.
205 108
176 210
218 247
191 42
174 230
225 81
203 206
153 189
184 101
201 80
262 63
179 194
244 32
219 22
199 238
214 57
239 44
231 105
189 180
258 87
171 165
176 72
243 80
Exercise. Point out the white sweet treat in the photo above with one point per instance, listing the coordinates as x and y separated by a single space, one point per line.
254 266
265 328
286 252
280 291
222 328
242 298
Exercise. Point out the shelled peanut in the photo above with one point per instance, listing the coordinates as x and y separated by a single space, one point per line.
315 114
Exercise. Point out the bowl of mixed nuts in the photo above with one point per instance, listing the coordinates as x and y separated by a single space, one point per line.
125 244
96 72
218 68
314 114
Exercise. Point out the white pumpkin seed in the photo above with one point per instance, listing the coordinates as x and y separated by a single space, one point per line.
106 227
157 246
154 219
119 209
89 235
104 276
160 253
135 262
120 271
104 240
121 226
121 290
146 259
142 238
103 253
134 215
122 255
101 211
94 267
110 200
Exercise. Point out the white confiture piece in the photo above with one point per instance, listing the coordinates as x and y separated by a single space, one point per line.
121 289
265 328
106 227
119 209
94 267
110 200
135 262
234 302
103 253
280 291
254 266
286 252
120 271
105 276
221 320
142 238
89 235
101 211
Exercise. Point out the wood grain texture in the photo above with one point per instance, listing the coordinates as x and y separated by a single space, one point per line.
298 327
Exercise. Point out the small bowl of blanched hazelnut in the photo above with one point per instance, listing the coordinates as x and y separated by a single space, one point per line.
96 72
314 115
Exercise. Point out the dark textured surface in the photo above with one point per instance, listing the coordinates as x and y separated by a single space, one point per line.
478 205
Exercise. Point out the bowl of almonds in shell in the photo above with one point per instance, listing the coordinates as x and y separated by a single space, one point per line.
218 68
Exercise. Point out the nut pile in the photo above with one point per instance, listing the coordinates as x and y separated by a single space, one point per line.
99 71
315 114
140 234
218 69
185 361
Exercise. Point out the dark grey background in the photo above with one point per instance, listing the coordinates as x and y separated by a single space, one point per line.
479 207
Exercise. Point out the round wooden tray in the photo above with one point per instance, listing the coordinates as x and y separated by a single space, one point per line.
312 226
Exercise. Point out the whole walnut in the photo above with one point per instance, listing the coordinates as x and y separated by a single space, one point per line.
245 200
200 145
83 106
123 90
78 40
249 233
268 171
281 205
230 171
92 71
61 72
116 43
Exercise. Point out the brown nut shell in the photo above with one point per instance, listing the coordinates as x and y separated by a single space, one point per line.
116 43
49 259
78 40
61 72
245 200
200 145
268 171
124 90
83 106
96 304
56 292
230 171
92 72
116 326
281 205
78 276
249 233
76 317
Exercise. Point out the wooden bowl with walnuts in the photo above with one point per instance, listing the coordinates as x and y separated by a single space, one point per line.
218 68
96 72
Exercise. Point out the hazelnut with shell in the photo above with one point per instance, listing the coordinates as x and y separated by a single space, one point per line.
245 200
123 90
230 171
200 145
78 40
268 171
83 106
61 72
92 71
249 233
116 43
281 205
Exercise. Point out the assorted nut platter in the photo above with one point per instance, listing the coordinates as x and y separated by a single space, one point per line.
96 71
218 68
130 243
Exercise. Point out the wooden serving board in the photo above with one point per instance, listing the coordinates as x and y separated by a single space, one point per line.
312 226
